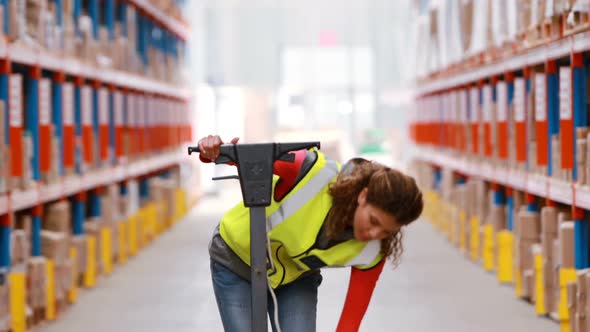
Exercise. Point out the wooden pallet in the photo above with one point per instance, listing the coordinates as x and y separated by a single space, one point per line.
579 22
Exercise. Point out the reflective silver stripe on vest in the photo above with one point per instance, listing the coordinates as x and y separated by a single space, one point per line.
303 195
367 255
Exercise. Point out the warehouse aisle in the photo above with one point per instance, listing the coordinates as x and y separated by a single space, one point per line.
167 288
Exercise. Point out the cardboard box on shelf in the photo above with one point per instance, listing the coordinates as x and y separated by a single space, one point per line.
525 255
24 222
581 301
566 245
19 246
55 246
63 279
530 225
572 290
58 217
498 217
549 220
36 281
80 242
5 299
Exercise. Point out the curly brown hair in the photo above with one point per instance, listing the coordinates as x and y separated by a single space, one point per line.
388 189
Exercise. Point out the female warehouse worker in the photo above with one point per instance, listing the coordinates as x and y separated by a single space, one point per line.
321 216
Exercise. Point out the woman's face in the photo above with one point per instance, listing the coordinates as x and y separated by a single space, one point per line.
372 223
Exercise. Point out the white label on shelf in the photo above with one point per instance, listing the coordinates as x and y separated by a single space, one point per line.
16 100
44 102
519 100
462 106
487 103
86 106
170 112
502 101
103 106
474 105
540 98
118 108
565 88
68 103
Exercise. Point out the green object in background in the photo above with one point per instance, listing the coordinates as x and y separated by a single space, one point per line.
373 142
372 148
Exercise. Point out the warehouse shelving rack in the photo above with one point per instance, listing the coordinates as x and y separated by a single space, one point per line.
441 126
53 88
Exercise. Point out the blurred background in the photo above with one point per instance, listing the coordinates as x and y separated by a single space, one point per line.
337 71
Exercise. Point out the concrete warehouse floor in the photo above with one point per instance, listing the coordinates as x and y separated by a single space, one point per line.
168 288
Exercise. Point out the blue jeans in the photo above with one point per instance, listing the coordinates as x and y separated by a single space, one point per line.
297 302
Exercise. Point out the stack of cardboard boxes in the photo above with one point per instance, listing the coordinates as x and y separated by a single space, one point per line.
56 241
528 236
549 230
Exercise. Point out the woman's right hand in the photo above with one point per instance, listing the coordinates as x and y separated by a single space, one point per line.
209 146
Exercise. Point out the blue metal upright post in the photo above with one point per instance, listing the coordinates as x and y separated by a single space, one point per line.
509 209
77 12
123 17
6 17
580 99
36 231
5 229
110 17
79 213
144 189
580 115
32 117
552 109
581 239
4 75
58 12
58 118
94 199
95 16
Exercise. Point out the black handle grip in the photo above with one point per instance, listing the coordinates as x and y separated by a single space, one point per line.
221 159
192 149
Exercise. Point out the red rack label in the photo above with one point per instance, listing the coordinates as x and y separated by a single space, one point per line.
68 103
16 100
502 102
565 88
86 106
44 102
540 98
